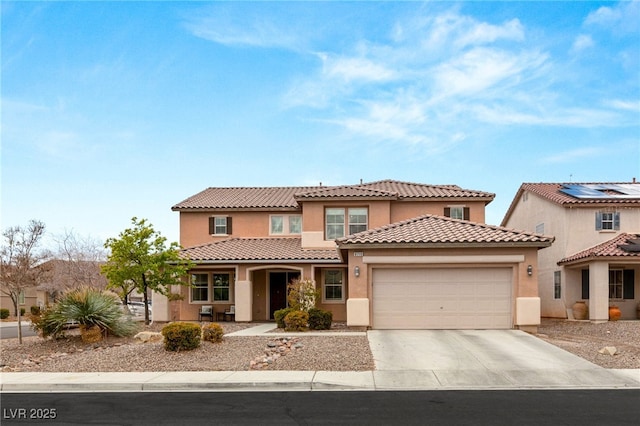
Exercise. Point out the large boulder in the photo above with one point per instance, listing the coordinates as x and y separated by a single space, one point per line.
149 336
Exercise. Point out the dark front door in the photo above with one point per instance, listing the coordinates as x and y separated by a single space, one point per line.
278 290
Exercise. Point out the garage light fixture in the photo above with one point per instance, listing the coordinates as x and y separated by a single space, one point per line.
356 271
529 270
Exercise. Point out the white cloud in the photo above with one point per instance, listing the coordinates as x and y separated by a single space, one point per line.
483 68
354 69
620 104
582 42
623 17
484 33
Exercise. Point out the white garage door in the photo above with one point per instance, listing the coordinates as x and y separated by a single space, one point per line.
471 298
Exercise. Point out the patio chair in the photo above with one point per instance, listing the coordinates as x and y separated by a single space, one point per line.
206 311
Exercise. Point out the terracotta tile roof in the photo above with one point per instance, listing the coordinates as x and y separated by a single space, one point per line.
612 248
258 250
553 193
440 230
347 191
217 198
244 197
418 190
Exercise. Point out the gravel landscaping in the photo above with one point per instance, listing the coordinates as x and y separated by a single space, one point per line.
331 353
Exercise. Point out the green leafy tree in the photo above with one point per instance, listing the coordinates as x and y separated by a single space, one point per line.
140 259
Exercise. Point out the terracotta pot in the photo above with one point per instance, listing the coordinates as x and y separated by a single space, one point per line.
580 311
614 313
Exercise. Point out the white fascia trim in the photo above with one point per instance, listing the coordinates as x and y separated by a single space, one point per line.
514 258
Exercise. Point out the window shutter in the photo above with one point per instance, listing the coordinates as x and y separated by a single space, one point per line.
585 284
598 221
616 221
447 211
628 284
465 213
212 225
228 225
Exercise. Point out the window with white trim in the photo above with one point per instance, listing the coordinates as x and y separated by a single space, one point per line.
607 221
457 212
285 224
211 287
333 286
557 285
616 284
200 287
221 287
220 225
353 220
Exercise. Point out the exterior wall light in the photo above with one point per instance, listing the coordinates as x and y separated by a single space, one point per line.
529 270
356 271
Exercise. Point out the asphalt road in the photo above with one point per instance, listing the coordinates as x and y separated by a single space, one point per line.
521 407
11 331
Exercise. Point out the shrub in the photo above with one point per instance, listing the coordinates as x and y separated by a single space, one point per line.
22 311
302 295
319 319
296 321
4 313
279 316
35 310
89 307
181 336
212 332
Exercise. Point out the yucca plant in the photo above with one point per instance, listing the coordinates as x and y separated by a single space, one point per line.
90 308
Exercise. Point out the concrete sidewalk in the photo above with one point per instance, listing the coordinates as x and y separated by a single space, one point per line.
312 381
447 367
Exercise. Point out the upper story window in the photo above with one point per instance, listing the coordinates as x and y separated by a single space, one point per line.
337 220
606 221
220 225
457 212
285 224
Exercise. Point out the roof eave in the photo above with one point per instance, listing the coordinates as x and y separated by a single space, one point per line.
266 261
525 244
610 259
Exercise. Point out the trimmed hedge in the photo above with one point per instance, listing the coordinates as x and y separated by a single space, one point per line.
4 313
181 336
319 319
296 321
279 316
212 332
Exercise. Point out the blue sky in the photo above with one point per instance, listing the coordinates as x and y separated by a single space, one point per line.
120 109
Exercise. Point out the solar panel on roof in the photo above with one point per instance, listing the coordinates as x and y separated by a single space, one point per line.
602 191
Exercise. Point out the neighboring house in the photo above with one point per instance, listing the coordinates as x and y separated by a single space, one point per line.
27 299
385 254
596 253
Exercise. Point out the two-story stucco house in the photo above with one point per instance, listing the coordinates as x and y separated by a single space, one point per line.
596 253
385 254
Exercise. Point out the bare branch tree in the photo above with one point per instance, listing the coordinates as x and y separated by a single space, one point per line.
77 263
20 262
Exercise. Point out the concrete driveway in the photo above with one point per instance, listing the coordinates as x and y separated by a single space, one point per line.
418 359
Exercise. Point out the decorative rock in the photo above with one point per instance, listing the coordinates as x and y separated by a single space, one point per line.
149 336
608 350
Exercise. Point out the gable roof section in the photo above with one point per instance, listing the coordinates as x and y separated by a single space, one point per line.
258 250
286 198
622 246
554 193
243 198
439 231
418 190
